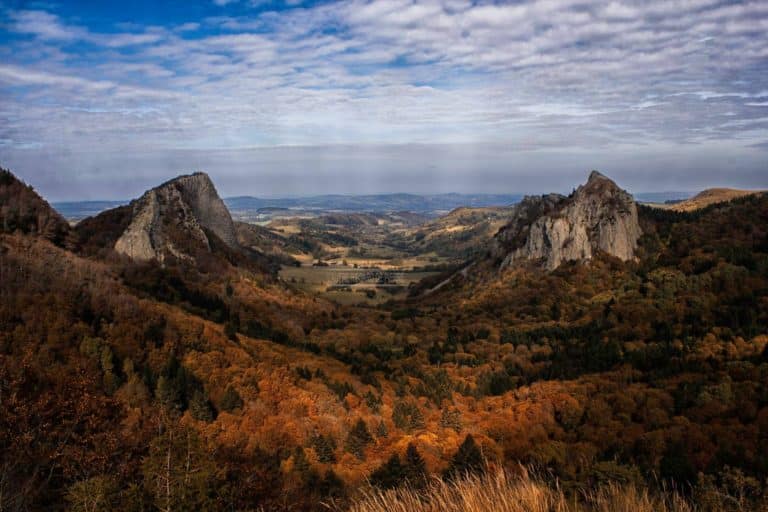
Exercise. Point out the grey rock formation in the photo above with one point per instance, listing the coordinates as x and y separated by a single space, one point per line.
175 217
552 229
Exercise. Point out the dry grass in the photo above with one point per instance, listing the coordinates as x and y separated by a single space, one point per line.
710 196
503 492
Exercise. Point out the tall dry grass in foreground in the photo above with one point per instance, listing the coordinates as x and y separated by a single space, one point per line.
503 492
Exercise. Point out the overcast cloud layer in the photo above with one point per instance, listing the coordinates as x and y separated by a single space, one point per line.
397 95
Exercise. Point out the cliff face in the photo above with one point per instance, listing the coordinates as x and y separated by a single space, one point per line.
553 229
176 219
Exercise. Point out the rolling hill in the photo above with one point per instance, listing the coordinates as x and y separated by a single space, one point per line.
708 197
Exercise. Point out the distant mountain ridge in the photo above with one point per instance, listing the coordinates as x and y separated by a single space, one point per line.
376 202
75 211
661 197
433 204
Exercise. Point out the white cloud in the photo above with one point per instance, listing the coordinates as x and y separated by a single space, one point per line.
44 25
568 74
48 27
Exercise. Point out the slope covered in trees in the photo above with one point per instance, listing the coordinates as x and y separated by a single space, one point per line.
23 210
136 386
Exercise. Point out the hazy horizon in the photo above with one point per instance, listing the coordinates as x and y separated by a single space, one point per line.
426 192
528 186
307 97
125 200
522 182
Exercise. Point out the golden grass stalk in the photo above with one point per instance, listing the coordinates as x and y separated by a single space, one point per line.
501 491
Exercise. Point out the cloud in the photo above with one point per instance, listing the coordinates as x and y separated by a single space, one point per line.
48 27
187 27
554 75
44 25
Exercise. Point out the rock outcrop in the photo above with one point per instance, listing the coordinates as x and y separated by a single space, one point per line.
552 229
177 218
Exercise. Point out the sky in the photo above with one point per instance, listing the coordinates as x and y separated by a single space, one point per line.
101 100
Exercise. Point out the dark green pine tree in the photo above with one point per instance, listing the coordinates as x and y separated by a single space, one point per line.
357 439
414 469
200 406
300 462
381 430
467 460
231 400
331 485
372 401
451 418
435 354
400 415
167 393
417 419
310 479
390 474
324 448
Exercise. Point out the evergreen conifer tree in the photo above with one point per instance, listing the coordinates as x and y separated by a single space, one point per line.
414 469
200 406
358 438
324 448
390 474
381 430
231 400
467 460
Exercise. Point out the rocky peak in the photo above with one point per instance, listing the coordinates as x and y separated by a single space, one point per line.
201 195
597 176
598 216
177 218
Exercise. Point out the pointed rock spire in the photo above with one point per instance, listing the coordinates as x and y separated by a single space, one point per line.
553 229
176 217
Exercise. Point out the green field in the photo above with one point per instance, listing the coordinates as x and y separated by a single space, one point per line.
348 285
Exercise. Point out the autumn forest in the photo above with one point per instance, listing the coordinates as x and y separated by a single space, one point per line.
195 377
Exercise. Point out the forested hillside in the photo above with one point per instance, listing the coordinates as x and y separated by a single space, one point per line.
21 209
130 385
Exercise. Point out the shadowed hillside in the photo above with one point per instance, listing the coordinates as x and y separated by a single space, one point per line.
23 210
614 380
